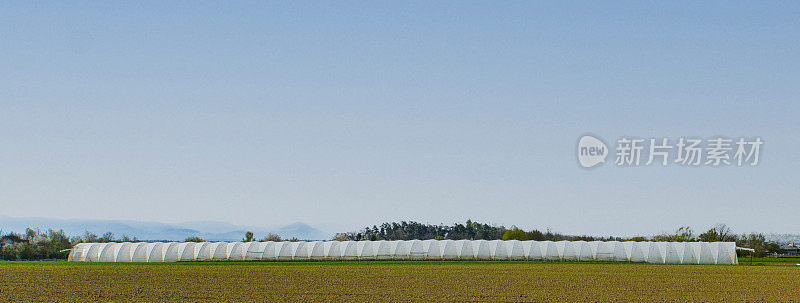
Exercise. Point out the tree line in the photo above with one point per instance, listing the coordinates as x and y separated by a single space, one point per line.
35 245
52 244
410 230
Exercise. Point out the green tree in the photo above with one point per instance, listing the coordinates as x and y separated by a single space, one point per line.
665 237
272 237
9 252
535 235
755 241
24 251
340 237
40 245
107 237
194 239
89 237
470 229
773 247
708 236
58 241
515 234
31 234
248 237
684 234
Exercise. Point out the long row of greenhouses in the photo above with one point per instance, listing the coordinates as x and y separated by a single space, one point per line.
650 252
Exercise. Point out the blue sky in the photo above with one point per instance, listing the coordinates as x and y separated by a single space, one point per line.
348 114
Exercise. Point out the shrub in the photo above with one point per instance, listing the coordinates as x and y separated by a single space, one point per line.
272 237
515 234
9 252
193 239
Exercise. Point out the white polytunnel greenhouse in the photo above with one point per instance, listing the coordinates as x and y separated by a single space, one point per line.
612 251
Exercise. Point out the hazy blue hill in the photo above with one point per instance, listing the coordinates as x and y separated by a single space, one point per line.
302 231
211 231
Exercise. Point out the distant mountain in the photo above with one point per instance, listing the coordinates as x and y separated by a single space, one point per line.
302 231
210 231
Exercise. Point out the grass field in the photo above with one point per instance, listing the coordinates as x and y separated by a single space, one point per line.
395 281
794 260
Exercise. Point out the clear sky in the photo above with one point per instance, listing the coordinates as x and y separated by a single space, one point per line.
348 114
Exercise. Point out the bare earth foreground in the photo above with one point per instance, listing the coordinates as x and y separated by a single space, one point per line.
395 281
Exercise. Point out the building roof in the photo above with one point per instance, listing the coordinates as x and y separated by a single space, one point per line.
791 246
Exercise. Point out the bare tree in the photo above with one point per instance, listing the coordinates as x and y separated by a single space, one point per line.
719 232
724 233
272 237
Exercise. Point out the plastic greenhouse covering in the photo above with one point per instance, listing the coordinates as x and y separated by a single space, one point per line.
612 251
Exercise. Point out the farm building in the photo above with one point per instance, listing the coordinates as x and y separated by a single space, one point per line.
790 249
650 252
